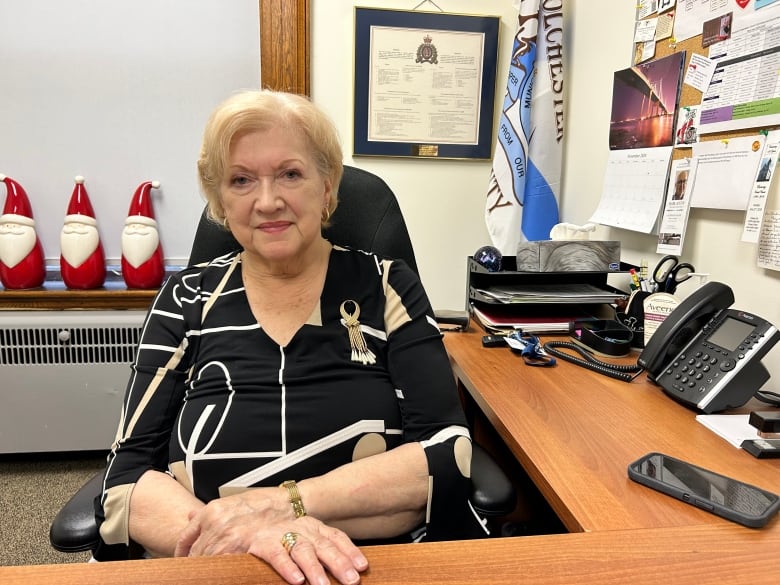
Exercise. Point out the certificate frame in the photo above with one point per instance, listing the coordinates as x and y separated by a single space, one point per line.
446 116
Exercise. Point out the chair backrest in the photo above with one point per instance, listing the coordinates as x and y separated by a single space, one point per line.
367 218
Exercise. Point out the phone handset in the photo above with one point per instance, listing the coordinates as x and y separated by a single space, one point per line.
685 322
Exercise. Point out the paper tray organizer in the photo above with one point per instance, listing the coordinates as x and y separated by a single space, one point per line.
538 302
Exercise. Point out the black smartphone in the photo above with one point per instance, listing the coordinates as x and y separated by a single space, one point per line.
727 497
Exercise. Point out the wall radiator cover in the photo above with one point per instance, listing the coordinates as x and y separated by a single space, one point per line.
63 376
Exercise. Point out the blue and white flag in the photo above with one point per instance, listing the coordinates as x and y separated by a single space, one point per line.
525 179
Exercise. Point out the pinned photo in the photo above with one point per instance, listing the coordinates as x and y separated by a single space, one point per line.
687 132
716 30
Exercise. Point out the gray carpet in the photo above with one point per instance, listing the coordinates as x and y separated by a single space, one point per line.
32 490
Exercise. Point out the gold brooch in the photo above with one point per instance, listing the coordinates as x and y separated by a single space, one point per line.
360 351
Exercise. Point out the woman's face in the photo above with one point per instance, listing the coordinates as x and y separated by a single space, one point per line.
273 195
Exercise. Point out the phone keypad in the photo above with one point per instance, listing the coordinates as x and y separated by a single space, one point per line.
698 370
695 372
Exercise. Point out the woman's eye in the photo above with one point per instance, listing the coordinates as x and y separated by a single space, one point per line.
239 181
290 174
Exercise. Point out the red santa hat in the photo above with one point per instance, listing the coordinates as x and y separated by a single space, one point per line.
80 208
17 204
141 210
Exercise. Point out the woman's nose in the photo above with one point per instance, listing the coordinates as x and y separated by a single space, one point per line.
266 195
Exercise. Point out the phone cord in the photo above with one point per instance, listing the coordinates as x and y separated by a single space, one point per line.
624 372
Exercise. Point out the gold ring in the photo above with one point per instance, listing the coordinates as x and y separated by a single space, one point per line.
288 541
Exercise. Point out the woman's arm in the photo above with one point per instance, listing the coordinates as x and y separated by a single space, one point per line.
154 392
380 496
160 508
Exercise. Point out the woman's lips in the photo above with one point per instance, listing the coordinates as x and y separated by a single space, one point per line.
274 226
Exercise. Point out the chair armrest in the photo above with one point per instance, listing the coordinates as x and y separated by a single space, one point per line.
492 494
74 528
452 319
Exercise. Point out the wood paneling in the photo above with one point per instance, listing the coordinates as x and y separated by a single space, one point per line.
284 45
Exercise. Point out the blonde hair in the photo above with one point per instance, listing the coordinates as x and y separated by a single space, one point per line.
250 111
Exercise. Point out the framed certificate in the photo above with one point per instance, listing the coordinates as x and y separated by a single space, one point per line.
424 84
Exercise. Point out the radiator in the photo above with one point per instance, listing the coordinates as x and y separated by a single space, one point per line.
63 376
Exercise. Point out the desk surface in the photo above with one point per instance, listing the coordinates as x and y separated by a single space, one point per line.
687 555
575 431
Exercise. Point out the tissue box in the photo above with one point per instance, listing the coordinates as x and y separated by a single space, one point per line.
568 256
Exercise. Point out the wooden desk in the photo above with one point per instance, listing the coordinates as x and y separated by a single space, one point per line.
575 431
687 555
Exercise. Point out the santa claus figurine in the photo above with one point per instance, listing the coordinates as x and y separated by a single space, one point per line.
143 264
82 262
22 263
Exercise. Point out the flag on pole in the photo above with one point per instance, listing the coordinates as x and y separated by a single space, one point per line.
525 179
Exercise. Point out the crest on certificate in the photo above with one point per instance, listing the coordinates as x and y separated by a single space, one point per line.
427 53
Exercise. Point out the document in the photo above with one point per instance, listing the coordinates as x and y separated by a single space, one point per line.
671 236
644 51
415 103
699 73
761 187
535 319
634 188
645 30
744 92
726 171
664 26
769 241
735 428
646 8
549 293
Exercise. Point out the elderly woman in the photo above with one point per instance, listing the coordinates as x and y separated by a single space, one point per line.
289 399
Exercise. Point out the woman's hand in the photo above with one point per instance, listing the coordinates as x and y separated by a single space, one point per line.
256 522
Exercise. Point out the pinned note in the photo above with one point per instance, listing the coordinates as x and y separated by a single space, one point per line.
761 186
699 72
726 171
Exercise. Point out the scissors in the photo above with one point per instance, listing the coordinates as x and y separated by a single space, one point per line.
669 272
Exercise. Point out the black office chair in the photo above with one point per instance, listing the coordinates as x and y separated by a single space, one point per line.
369 218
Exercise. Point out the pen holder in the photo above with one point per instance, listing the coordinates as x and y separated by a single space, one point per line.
633 317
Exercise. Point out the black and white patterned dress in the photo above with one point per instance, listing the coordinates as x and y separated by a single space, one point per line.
216 402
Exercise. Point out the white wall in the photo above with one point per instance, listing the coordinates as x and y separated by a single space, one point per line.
118 92
443 201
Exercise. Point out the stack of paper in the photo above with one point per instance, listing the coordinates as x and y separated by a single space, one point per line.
549 293
735 428
530 319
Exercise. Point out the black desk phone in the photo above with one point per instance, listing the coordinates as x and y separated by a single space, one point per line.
706 355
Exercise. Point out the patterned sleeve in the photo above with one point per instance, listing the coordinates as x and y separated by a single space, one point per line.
154 393
430 405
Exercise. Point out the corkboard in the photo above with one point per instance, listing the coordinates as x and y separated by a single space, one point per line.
690 96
